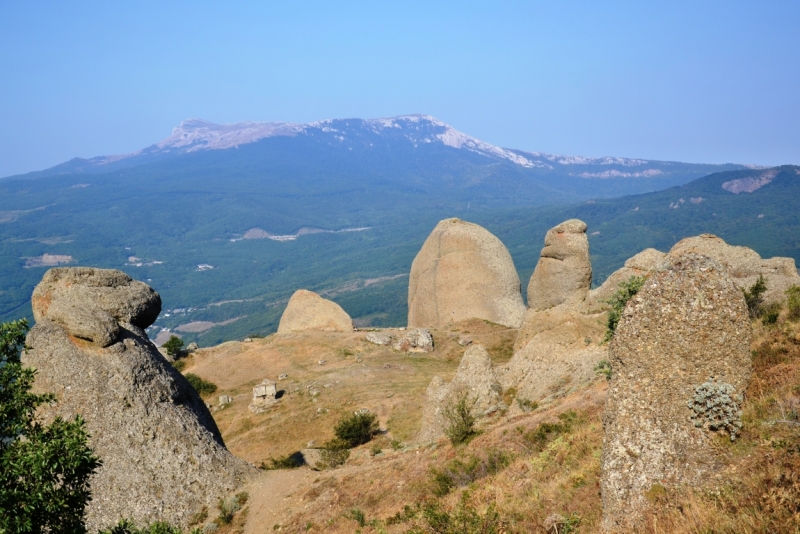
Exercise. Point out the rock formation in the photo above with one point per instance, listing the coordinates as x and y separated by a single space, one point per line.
744 264
163 456
557 346
308 311
415 340
265 395
463 272
642 263
474 378
683 342
564 271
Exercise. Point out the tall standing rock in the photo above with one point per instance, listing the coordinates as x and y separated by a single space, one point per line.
564 271
308 311
163 456
681 359
463 272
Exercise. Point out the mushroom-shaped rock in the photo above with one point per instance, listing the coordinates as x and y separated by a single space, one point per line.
475 379
163 456
680 361
308 311
90 303
463 272
564 271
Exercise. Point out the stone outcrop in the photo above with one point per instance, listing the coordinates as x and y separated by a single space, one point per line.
463 272
308 311
744 264
683 341
163 456
90 303
265 395
475 378
379 338
556 351
642 263
564 271
415 340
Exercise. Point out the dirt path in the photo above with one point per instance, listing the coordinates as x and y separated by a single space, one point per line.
274 497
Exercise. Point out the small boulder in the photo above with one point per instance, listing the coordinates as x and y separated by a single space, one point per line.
264 395
415 340
380 338
564 271
463 272
308 311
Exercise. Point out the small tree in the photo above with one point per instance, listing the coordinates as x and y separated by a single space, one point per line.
44 469
356 429
626 291
460 420
754 297
173 345
793 301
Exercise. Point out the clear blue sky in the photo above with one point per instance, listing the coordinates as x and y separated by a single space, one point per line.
692 81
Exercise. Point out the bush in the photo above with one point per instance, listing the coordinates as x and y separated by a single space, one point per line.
544 433
460 426
603 367
793 302
202 387
430 517
44 469
627 289
770 313
527 405
754 297
458 473
334 453
173 345
129 527
290 461
356 429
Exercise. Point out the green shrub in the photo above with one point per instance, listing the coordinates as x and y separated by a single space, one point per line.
754 297
770 313
180 365
129 527
430 517
173 346
290 461
544 433
459 473
603 367
356 429
44 469
229 507
358 516
627 289
460 422
527 405
334 453
793 302
202 387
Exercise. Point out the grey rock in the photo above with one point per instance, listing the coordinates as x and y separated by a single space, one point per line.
380 338
688 323
191 347
415 340
225 399
163 456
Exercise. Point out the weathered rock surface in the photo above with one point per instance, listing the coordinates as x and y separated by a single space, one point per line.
265 395
163 456
463 272
90 303
744 264
308 311
556 351
474 378
379 338
687 324
415 340
647 260
564 271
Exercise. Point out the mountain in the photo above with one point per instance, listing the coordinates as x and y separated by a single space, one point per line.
226 221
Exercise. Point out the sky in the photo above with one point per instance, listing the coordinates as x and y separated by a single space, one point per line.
694 81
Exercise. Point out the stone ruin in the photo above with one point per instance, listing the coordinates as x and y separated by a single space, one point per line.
163 456
681 362
415 340
265 395
463 272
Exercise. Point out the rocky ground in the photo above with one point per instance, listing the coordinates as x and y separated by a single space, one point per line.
533 469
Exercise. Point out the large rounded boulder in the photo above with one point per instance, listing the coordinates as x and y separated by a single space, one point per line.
308 311
463 272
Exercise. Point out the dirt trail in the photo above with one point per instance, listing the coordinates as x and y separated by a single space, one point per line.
274 497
